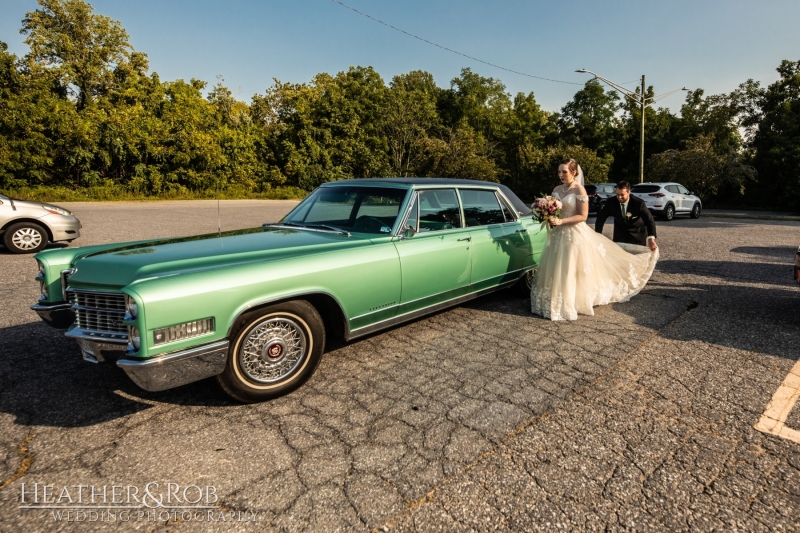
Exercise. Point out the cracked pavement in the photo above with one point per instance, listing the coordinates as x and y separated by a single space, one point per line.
479 418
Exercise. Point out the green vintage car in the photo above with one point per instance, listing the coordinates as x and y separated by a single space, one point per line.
254 307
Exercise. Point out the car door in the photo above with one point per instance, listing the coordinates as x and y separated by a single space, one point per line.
676 197
688 201
435 252
499 244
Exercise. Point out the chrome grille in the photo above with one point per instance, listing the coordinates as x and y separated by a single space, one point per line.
99 312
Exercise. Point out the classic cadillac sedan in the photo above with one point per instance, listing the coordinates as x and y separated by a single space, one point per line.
254 307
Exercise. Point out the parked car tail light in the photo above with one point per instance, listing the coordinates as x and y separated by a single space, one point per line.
657 195
183 331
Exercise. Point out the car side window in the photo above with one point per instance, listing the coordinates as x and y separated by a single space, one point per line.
672 188
438 210
481 208
682 189
609 189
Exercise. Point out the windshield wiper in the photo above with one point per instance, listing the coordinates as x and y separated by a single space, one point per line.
327 227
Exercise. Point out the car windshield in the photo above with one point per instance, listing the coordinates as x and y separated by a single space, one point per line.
645 188
349 208
591 189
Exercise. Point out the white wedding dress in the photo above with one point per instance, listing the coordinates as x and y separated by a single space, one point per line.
581 268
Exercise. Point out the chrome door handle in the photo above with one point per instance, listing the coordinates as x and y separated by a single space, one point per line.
466 239
521 231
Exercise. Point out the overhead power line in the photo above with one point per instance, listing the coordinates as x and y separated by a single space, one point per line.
450 49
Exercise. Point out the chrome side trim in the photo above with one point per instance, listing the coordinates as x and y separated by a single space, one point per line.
522 270
366 330
177 368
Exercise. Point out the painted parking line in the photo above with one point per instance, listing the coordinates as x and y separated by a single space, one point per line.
773 421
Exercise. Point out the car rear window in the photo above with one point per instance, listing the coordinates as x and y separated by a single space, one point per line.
645 188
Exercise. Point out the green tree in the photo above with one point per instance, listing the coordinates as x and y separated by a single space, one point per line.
590 118
408 119
702 168
541 167
773 118
84 48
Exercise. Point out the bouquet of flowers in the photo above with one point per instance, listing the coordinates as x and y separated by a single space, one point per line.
547 209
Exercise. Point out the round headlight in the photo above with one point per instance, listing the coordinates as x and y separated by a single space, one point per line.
135 339
43 289
131 307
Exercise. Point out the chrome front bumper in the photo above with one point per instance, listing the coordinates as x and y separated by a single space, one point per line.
58 315
178 368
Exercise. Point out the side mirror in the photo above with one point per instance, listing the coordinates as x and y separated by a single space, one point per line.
409 231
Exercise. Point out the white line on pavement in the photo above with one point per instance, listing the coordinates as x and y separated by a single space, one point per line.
773 421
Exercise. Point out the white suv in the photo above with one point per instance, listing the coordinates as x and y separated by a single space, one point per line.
668 199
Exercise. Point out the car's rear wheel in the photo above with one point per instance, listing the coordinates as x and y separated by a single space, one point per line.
25 238
696 209
274 351
523 287
669 212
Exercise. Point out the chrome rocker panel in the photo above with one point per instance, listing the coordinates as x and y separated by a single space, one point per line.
177 368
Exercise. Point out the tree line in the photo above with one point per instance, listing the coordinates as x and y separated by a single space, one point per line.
81 109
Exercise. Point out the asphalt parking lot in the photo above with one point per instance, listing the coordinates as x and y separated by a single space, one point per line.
479 418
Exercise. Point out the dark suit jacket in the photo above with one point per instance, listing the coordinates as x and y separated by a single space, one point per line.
637 225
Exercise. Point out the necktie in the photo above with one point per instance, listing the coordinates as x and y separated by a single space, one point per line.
624 208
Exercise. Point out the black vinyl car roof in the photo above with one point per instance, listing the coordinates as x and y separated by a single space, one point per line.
519 205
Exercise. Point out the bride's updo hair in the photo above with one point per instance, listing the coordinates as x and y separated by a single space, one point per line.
572 165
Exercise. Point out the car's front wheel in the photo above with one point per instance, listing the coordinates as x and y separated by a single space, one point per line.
274 351
695 213
25 238
669 212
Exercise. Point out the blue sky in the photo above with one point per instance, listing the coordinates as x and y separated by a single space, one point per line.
712 44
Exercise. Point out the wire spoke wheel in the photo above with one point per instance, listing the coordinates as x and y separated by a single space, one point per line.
272 350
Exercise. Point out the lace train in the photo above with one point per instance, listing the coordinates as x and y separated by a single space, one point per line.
581 268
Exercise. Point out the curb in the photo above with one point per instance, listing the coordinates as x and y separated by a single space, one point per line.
788 218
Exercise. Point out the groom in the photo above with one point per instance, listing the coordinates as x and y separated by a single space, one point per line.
633 222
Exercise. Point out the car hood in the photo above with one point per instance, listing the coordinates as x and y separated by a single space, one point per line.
117 267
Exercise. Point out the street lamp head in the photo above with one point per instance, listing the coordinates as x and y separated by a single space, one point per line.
582 70
685 89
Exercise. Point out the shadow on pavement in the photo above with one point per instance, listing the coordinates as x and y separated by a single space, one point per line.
782 252
45 382
767 273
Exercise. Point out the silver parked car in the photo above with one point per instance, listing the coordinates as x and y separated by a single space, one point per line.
668 199
26 227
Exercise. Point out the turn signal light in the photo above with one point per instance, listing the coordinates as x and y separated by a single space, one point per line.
183 331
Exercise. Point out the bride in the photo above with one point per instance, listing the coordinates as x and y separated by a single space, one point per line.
581 268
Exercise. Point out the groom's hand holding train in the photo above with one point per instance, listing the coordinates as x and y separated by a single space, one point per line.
633 222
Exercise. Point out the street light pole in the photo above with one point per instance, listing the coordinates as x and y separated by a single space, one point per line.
640 99
641 144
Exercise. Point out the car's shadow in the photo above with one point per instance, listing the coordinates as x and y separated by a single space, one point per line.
45 382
